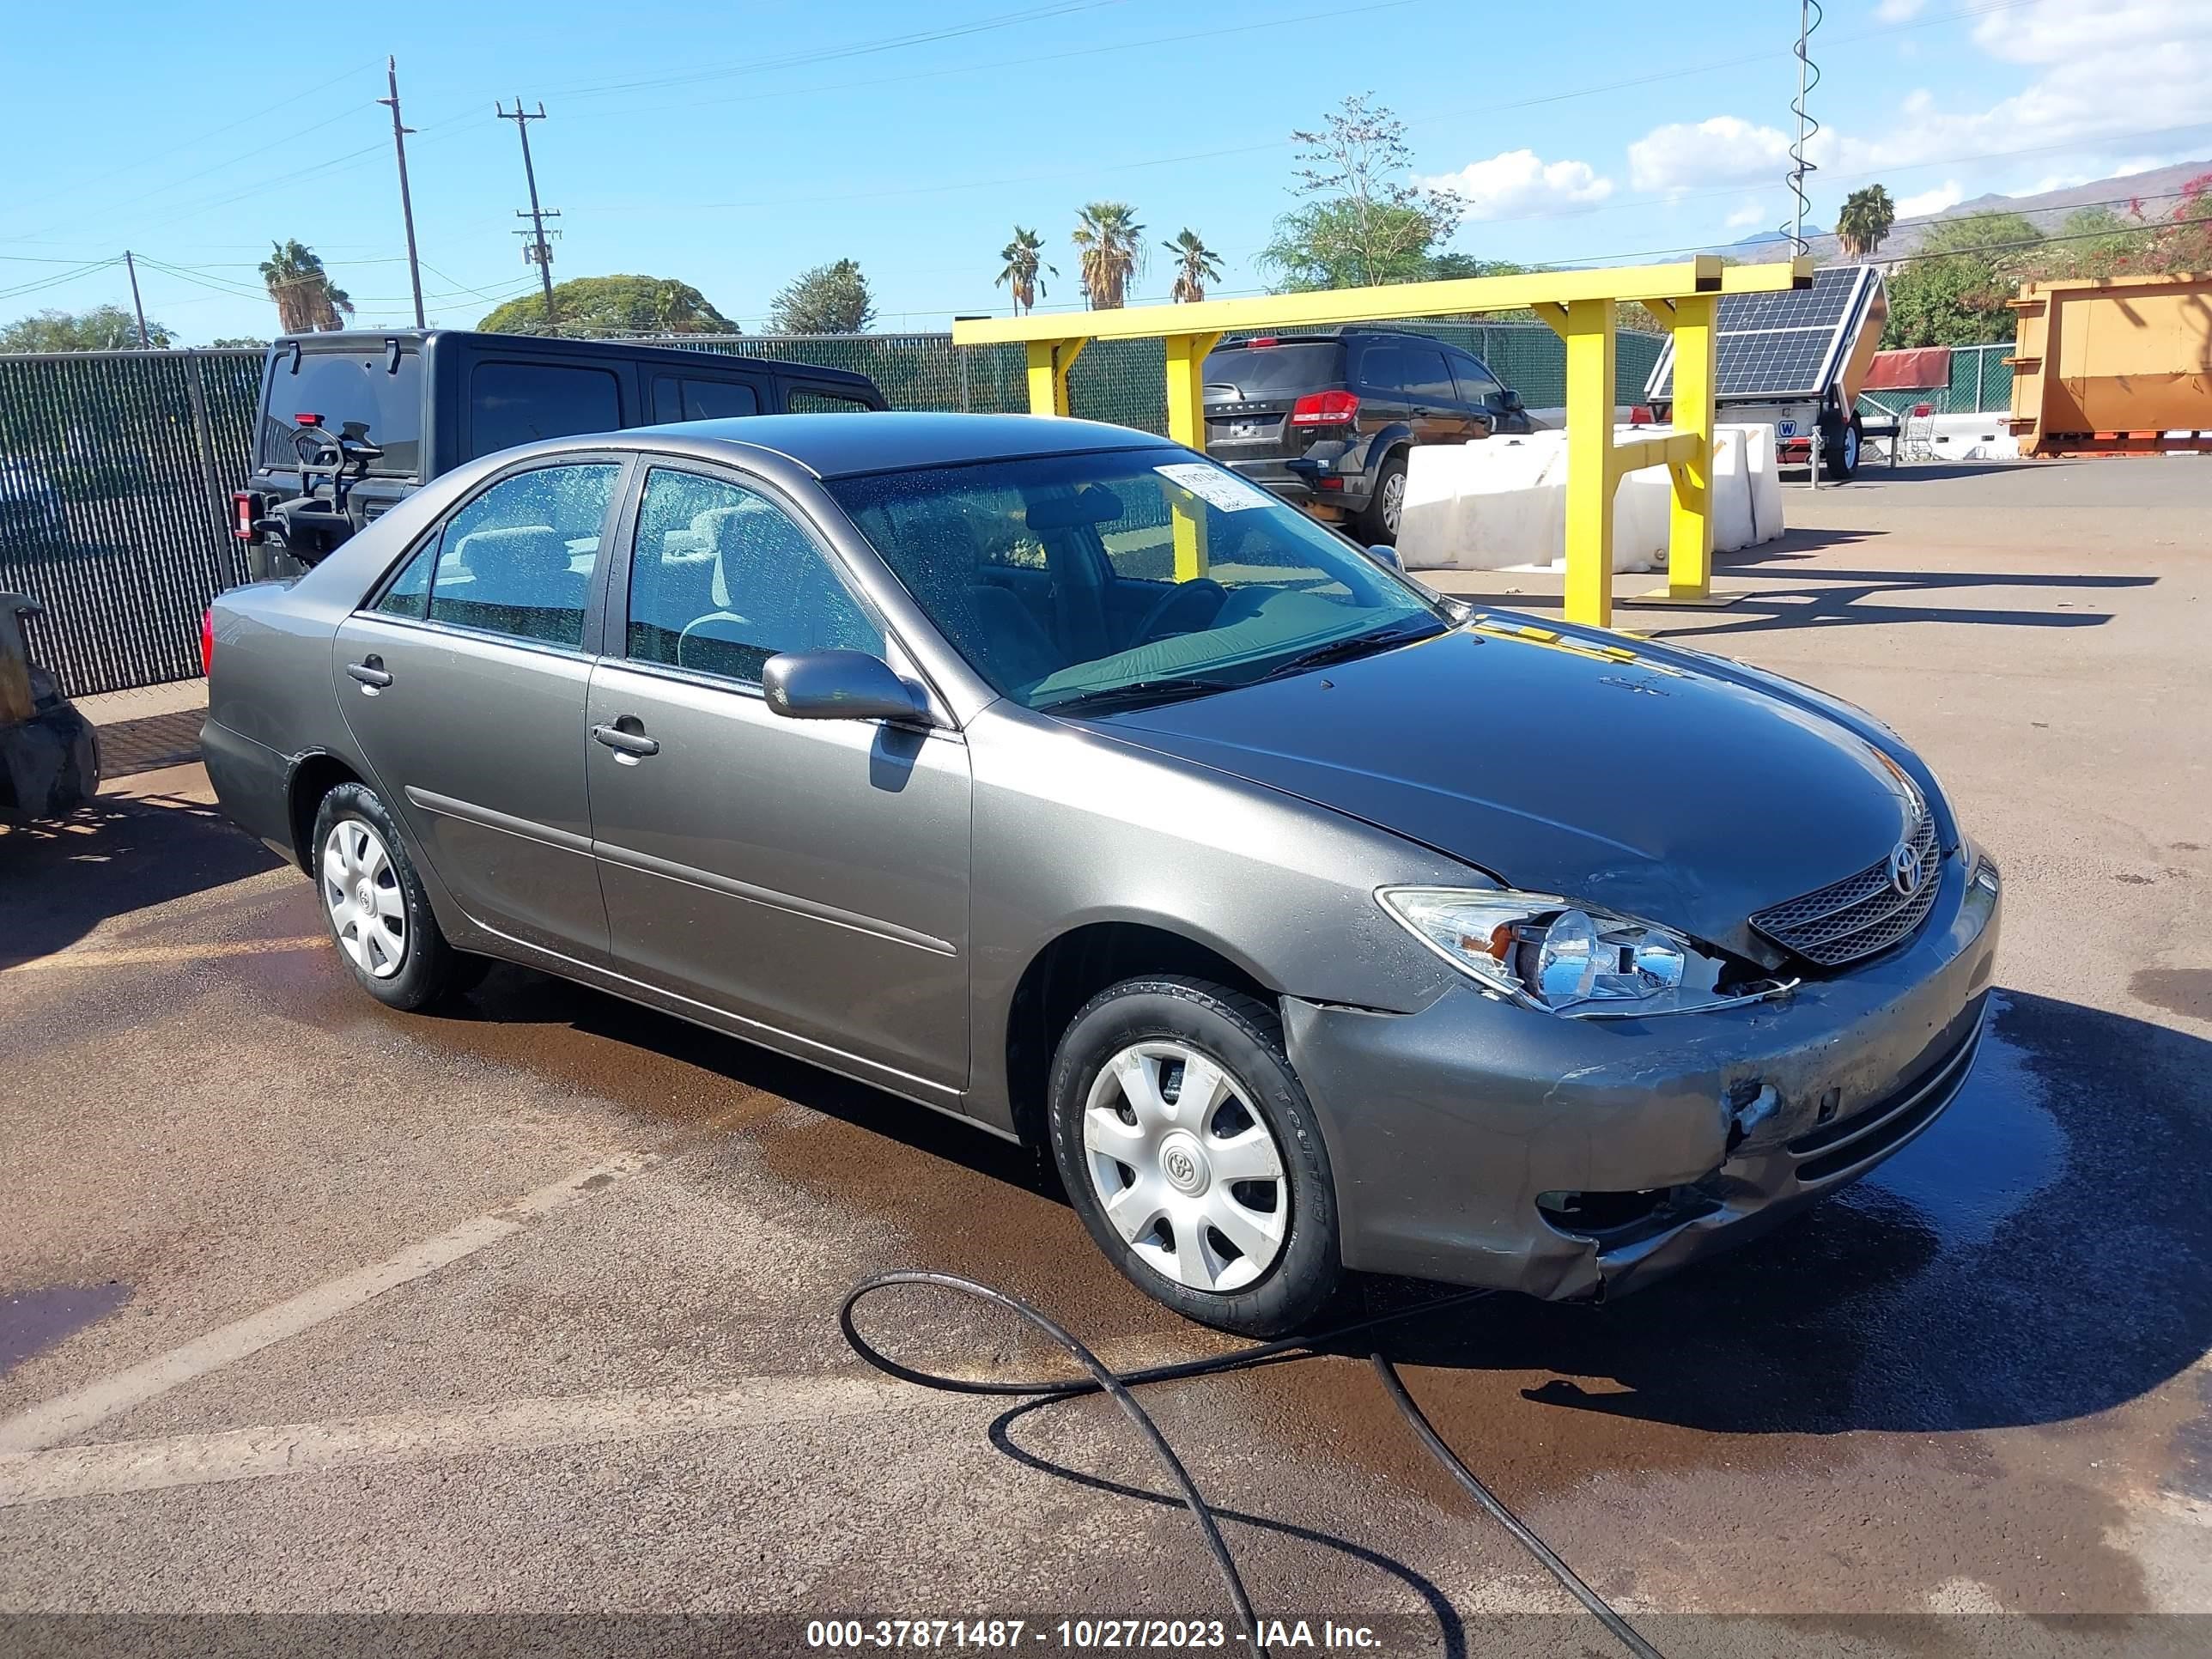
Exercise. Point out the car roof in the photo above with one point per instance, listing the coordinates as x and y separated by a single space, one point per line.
838 446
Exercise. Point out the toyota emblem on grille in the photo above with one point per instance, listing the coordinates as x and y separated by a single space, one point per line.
1905 870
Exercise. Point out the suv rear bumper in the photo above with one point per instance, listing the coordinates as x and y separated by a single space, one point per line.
1274 475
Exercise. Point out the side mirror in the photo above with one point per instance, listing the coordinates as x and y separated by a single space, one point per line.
839 685
1511 401
1382 555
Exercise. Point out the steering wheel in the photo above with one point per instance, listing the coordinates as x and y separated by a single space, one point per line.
1183 608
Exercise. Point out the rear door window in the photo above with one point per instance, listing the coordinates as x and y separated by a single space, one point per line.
517 560
344 387
687 399
511 403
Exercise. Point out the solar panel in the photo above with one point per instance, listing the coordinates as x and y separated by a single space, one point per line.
1781 346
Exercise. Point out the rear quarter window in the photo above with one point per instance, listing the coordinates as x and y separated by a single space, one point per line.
511 403
342 387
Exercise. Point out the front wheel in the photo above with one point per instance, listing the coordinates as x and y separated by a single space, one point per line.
1188 1147
375 904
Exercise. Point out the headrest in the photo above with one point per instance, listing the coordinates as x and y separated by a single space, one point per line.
524 553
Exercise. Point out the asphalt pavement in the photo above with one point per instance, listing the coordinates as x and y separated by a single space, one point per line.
527 1307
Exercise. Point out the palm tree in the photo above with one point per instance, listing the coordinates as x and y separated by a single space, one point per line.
1023 259
1106 234
1865 221
305 297
1196 264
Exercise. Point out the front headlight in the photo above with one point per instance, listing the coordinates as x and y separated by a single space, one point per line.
1549 953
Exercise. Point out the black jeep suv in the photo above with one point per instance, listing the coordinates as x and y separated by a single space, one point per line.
353 421
1326 420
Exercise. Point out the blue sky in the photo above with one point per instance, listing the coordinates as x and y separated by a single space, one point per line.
732 147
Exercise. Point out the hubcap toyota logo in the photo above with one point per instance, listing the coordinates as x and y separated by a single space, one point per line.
1905 870
1183 1164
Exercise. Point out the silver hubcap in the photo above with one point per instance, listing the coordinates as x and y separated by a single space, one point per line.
1850 447
361 890
1394 499
1186 1170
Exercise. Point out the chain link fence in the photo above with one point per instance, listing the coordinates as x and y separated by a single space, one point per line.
1981 383
115 468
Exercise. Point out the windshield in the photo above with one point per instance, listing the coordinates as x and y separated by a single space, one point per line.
1073 576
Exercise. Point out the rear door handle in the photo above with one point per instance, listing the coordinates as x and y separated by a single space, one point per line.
370 673
624 742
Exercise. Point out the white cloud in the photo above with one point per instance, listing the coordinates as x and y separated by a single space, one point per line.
1725 149
1918 101
1521 184
1897 11
1947 194
1749 214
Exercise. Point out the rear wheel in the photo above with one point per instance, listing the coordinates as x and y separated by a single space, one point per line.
1379 523
1188 1147
378 911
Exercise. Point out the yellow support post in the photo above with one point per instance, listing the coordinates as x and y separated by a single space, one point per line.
1591 474
1187 426
1049 362
1690 516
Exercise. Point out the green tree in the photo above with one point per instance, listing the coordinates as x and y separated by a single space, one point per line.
830 299
307 299
1865 221
239 341
1110 250
2008 240
2095 241
103 328
1955 301
609 306
1364 221
1196 264
1024 257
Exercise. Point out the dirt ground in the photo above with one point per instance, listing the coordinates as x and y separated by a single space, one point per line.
528 1307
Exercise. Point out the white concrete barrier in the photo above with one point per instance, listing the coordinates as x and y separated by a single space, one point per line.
1500 503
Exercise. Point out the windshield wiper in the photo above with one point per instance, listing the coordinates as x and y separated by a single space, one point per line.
1356 645
1135 695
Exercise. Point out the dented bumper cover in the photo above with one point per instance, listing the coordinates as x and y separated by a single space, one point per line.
1445 1126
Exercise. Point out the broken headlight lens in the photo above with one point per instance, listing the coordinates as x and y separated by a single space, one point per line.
1549 953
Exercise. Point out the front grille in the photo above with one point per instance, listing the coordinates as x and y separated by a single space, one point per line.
1860 915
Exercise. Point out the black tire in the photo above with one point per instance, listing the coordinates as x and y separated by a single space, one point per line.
1243 1037
426 966
1377 522
1843 450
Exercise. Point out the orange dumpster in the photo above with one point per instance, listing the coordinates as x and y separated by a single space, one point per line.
2115 366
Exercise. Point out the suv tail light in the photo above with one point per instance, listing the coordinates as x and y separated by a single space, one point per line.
244 512
1325 409
207 640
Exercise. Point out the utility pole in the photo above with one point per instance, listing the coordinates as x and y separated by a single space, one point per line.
136 304
534 251
406 203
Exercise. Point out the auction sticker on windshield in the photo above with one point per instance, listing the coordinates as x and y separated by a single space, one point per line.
1209 483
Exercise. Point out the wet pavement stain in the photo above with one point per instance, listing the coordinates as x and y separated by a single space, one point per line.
33 1321
2184 991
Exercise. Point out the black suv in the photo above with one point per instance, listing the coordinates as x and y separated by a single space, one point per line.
1325 419
353 421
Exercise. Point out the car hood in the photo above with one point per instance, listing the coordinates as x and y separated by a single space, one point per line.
1561 764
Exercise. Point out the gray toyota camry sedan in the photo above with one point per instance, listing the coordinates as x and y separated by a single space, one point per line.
1047 775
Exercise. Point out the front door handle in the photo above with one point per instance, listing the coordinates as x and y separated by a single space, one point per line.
369 671
625 737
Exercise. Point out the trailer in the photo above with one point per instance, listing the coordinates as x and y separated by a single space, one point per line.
1796 361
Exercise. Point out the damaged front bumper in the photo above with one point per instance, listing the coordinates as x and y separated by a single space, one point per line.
1480 1143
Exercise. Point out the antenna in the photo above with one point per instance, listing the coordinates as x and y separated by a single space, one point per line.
1808 19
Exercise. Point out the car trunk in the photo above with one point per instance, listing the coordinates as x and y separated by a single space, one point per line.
1250 391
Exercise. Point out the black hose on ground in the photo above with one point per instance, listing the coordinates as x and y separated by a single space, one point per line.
1117 1385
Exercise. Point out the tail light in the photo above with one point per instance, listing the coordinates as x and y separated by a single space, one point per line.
207 640
245 513
1325 409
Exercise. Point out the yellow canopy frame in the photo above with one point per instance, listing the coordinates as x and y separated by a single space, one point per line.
1583 307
